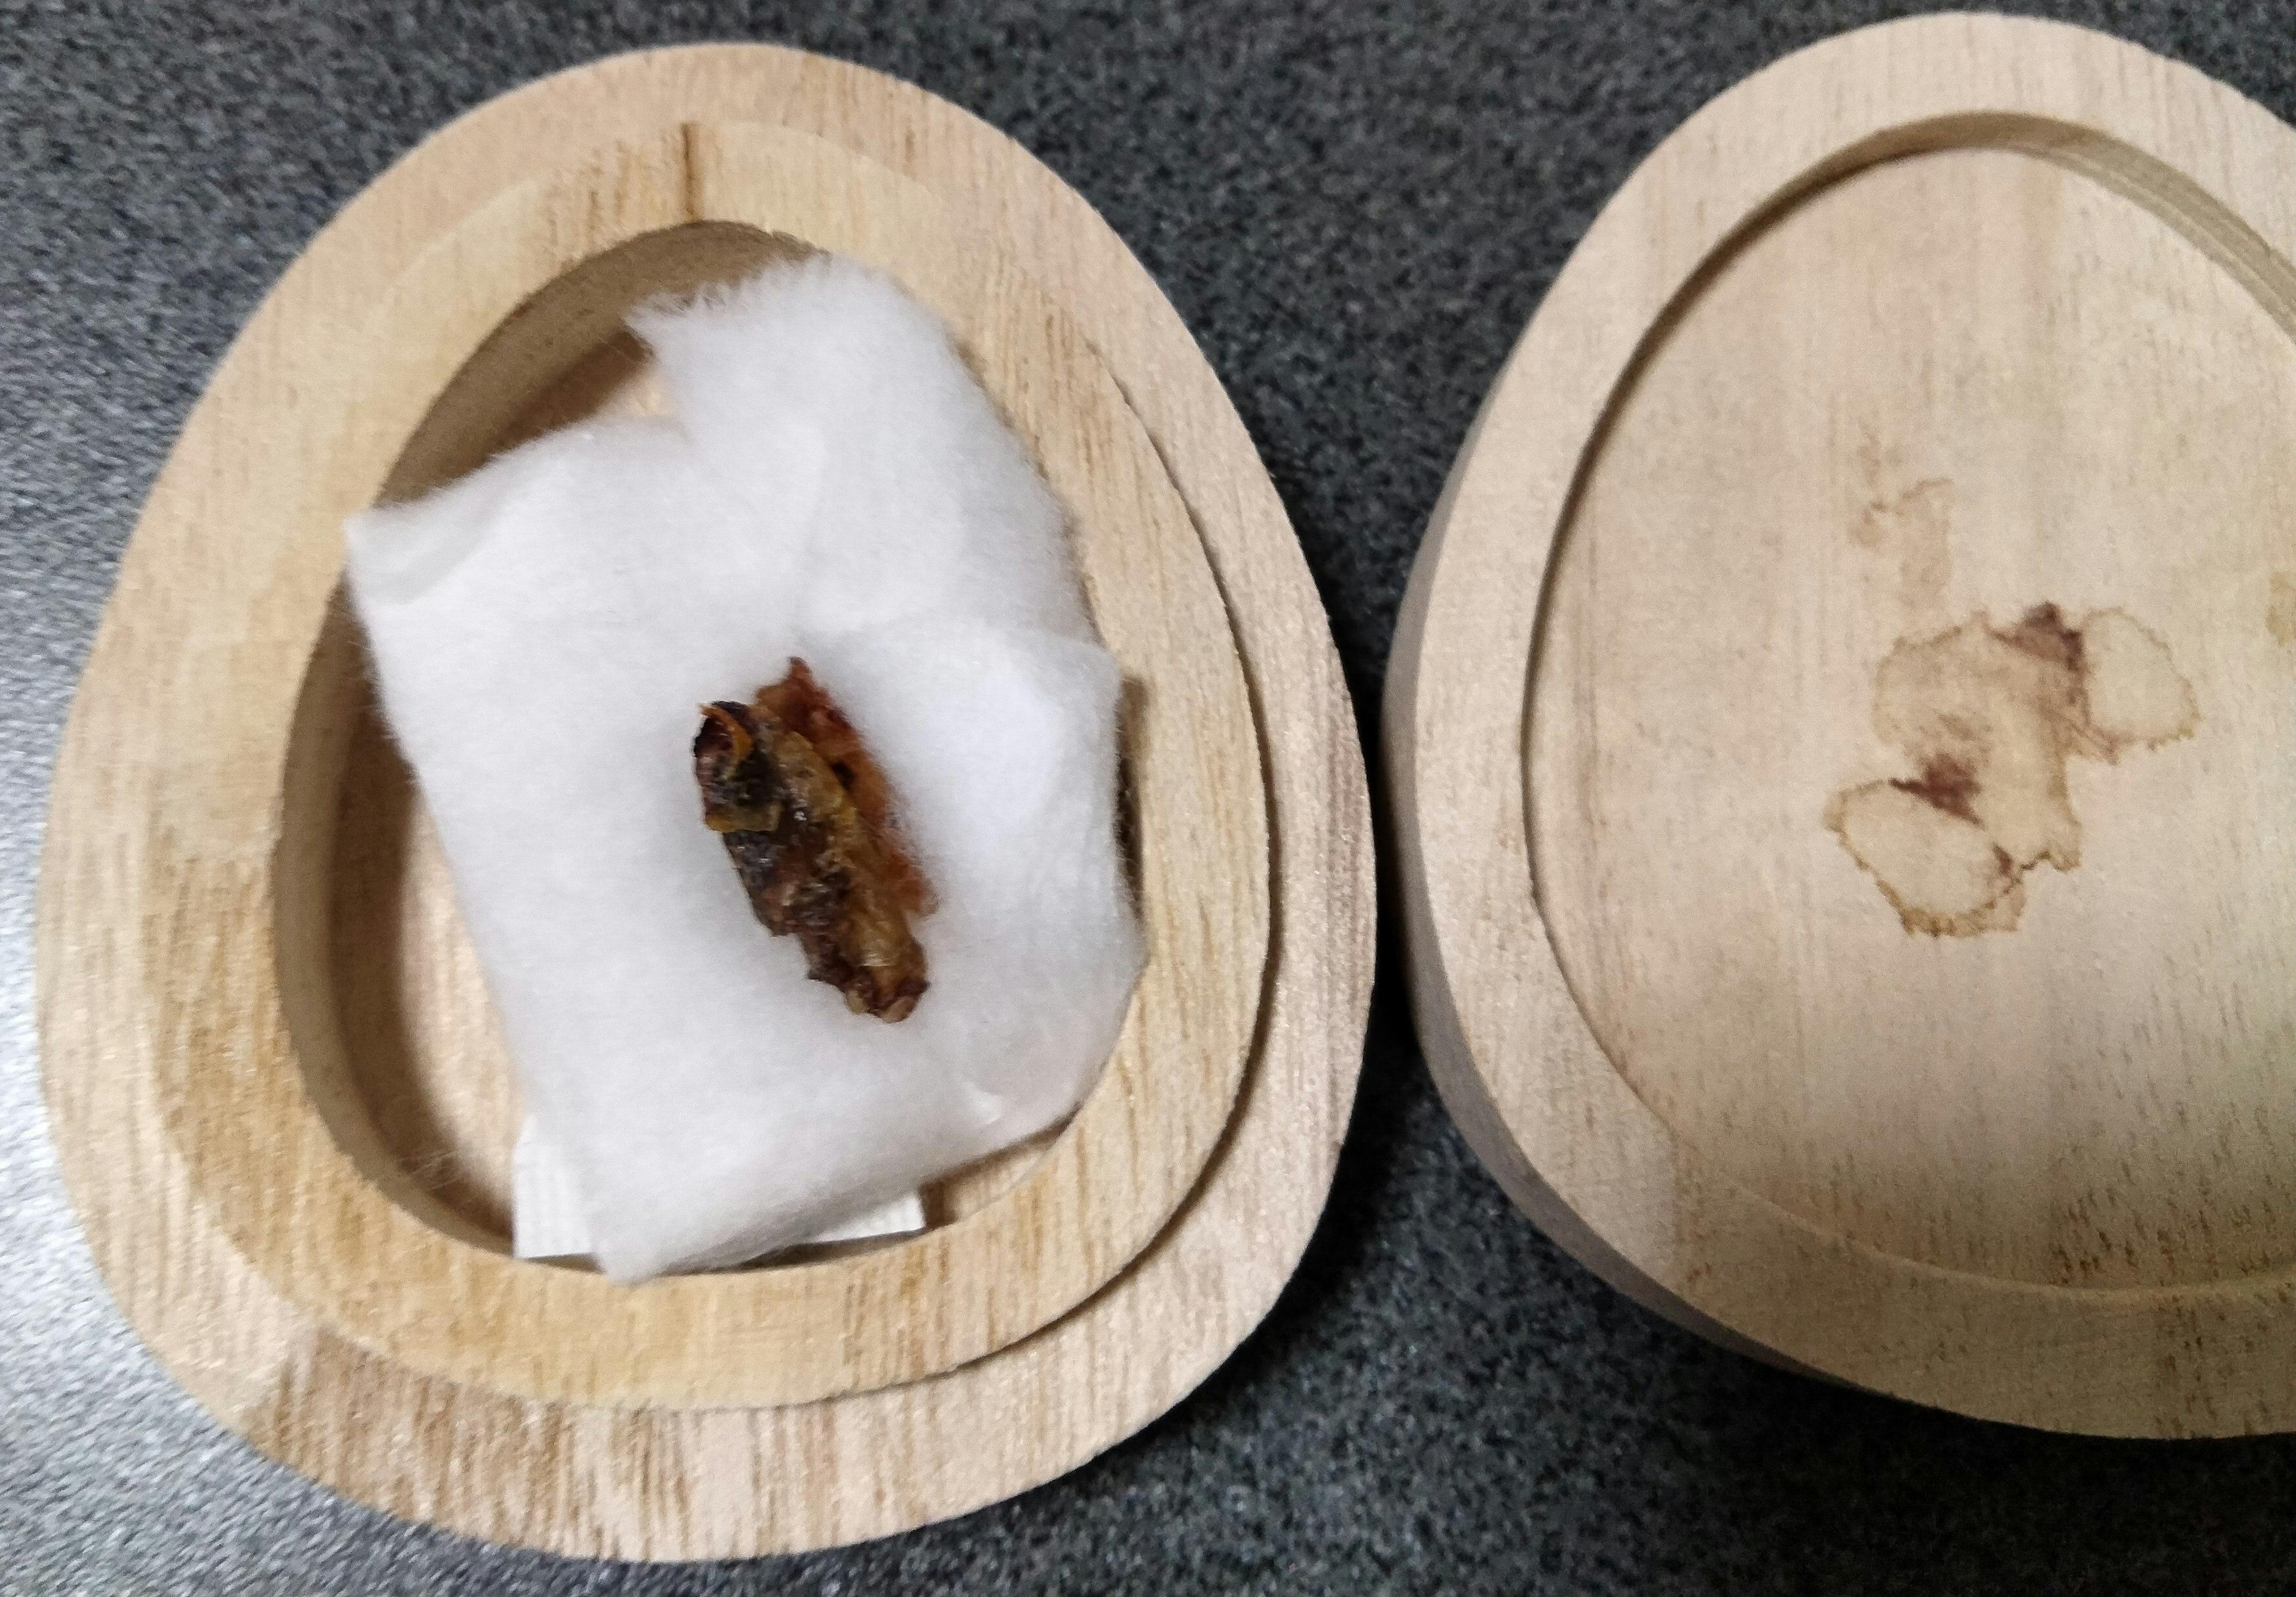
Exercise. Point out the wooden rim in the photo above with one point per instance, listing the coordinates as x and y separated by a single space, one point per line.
776 1335
591 1475
1517 1062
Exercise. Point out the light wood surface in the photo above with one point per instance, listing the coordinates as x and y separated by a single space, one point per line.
1841 950
240 1174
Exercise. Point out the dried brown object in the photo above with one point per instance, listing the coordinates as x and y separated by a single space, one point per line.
807 817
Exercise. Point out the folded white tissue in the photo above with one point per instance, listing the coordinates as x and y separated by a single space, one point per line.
834 487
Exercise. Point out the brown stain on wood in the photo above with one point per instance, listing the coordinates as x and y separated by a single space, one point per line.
1991 715
1917 523
1945 783
2280 610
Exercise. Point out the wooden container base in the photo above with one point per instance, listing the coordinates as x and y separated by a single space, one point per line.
277 1095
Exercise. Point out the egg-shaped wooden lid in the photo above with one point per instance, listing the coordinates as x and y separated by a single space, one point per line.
1842 729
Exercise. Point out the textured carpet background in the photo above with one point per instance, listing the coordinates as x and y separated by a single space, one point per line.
1357 207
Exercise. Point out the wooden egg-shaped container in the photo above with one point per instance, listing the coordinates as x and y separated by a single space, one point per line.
277 1093
1842 735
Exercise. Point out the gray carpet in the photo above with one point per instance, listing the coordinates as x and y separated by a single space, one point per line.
1356 207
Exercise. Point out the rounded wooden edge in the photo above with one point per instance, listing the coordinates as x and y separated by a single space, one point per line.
388 1281
1517 1064
738 1482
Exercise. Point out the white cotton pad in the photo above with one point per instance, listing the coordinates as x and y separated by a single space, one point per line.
834 487
547 1220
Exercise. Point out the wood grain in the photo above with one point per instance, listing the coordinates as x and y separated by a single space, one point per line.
238 1205
1907 337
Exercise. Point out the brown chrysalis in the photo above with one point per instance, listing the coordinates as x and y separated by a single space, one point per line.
807 817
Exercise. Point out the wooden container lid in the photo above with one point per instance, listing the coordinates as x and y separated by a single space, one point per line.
1841 731
278 1097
